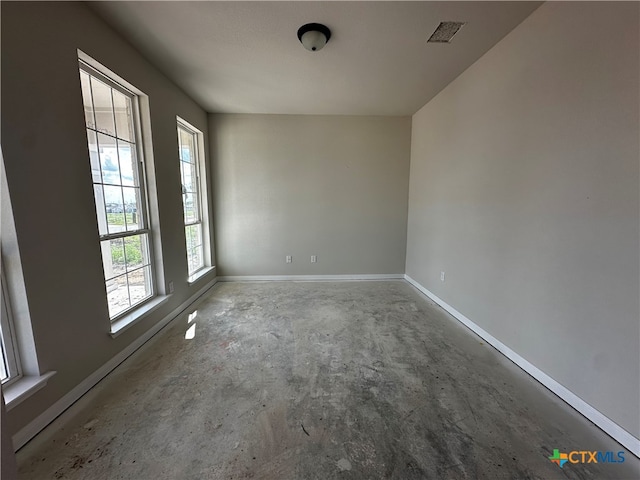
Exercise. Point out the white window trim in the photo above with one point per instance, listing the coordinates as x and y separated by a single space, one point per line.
203 272
22 389
32 379
124 322
203 194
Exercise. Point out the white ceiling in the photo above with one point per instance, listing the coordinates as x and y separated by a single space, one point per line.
244 57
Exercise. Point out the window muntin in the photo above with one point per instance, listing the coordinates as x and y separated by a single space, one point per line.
117 172
190 168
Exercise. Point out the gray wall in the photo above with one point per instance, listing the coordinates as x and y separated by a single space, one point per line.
45 152
331 186
524 190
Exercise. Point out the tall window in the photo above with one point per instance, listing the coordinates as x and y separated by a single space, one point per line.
10 365
194 206
117 170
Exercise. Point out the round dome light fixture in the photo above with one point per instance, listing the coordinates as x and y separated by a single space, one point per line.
314 36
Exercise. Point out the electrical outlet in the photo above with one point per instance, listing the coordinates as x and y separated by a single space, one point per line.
314 258
170 287
288 259
442 276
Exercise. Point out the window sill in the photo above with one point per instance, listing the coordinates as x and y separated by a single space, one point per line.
199 274
23 388
123 323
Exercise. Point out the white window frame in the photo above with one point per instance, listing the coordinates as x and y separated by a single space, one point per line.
116 83
202 199
11 358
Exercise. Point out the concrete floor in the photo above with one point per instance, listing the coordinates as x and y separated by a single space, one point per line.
353 380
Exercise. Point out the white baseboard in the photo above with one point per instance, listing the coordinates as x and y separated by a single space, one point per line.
49 415
310 278
607 425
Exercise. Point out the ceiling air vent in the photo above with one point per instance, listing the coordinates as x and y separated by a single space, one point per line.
445 32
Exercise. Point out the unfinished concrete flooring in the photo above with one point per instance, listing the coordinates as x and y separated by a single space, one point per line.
352 380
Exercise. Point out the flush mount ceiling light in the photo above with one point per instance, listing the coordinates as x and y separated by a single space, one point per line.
314 36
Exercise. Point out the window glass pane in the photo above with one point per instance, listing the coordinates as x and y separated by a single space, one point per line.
189 179
98 193
94 157
181 143
188 233
127 158
118 260
183 178
4 365
194 235
190 208
184 149
115 208
124 122
109 160
190 198
103 107
4 374
196 207
195 259
118 295
195 254
113 257
199 257
136 251
185 154
132 208
86 99
140 284
191 144
187 146
190 193
184 190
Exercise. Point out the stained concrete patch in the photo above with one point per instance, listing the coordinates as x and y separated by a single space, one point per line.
90 424
344 464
